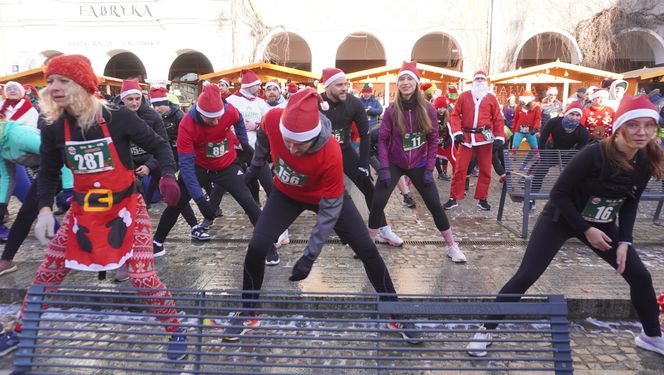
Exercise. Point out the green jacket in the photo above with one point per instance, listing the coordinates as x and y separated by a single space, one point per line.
19 144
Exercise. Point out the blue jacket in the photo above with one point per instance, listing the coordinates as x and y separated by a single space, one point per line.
375 110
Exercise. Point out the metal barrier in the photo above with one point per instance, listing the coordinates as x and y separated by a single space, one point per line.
531 178
92 330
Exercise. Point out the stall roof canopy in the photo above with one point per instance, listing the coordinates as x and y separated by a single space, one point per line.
264 71
35 77
644 74
429 72
554 72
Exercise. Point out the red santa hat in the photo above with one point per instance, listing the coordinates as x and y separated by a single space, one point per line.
273 83
249 78
130 86
367 88
300 121
552 90
159 96
330 75
209 102
632 107
409 68
291 87
75 67
16 85
440 102
224 81
604 93
526 96
479 74
574 106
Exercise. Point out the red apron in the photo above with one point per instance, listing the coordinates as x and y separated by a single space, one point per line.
101 231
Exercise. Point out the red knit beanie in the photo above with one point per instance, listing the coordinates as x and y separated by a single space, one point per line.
75 67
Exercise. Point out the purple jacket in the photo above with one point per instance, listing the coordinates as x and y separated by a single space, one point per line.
390 142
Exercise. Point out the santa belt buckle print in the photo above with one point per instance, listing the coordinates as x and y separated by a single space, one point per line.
98 200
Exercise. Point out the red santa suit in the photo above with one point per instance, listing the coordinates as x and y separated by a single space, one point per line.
480 121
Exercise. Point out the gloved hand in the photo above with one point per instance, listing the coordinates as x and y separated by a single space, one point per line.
302 268
251 174
384 175
45 227
427 177
458 139
169 189
498 143
205 207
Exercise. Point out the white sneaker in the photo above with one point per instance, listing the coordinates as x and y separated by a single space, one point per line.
456 254
481 340
121 274
654 344
283 240
385 235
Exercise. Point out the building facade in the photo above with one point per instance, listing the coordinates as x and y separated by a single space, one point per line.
176 40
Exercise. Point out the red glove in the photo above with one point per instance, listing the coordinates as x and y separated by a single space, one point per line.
169 189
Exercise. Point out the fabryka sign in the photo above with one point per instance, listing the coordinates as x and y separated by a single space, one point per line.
116 10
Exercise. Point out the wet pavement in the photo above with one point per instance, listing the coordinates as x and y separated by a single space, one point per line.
421 266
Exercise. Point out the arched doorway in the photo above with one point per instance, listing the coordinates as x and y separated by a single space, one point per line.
543 48
438 49
44 57
125 65
637 49
184 73
360 51
288 49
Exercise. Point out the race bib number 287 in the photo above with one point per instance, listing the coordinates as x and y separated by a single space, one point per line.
89 156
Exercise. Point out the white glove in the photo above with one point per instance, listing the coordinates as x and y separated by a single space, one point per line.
45 227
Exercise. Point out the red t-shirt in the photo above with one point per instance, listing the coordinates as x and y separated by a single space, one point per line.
309 177
212 145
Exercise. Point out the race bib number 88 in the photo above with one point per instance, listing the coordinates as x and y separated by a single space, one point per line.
287 175
89 157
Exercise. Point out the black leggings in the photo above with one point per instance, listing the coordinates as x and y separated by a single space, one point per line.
362 181
227 178
549 236
428 192
278 214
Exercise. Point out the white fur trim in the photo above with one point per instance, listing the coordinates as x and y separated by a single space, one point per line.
334 78
129 92
74 265
325 106
272 84
250 84
413 75
635 113
479 76
210 114
552 90
599 93
163 99
577 110
300 137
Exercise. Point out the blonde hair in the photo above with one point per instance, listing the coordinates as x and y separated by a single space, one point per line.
422 119
83 105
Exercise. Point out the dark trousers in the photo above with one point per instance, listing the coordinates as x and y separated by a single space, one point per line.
279 213
362 181
20 229
428 192
549 236
228 179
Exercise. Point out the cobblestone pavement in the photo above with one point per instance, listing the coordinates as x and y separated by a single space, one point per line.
420 266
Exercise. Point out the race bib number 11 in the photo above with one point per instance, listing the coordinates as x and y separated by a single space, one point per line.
412 141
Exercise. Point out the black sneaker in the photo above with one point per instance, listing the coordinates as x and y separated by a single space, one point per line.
272 258
198 233
407 330
444 177
450 204
158 250
240 324
409 201
205 224
484 205
218 213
